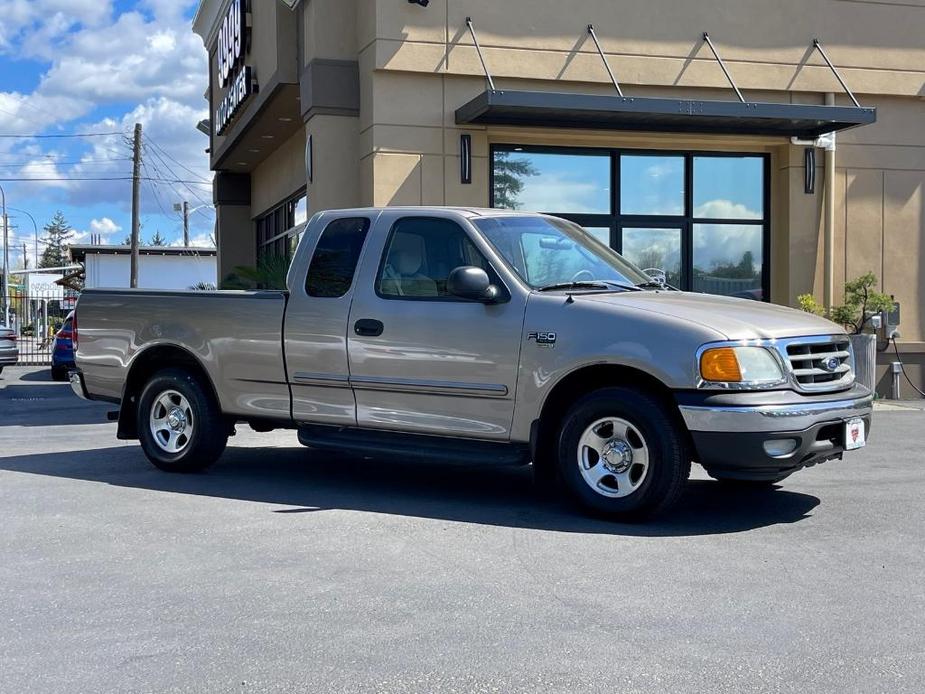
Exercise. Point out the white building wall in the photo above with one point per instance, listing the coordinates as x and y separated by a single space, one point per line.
154 271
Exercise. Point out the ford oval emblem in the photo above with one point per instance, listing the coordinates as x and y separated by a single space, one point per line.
831 364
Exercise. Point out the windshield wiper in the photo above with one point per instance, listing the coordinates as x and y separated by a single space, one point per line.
652 284
589 284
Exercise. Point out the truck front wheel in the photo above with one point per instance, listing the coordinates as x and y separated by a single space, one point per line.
622 454
179 423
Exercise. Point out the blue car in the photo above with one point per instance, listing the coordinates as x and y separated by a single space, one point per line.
62 354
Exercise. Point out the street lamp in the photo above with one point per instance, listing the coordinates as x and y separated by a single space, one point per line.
35 232
185 209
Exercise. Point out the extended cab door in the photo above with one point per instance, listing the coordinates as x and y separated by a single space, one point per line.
316 318
422 361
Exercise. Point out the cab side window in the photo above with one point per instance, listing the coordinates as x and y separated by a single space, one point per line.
331 270
419 256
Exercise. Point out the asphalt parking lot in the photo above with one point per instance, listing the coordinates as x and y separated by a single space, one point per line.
281 569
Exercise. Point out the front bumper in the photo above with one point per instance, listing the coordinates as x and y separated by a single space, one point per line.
9 357
730 430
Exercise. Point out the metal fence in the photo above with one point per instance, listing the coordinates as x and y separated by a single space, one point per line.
36 319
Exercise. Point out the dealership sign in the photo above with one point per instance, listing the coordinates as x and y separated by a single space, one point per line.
233 76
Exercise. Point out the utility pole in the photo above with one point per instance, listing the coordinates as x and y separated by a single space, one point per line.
184 208
25 258
185 224
6 261
136 203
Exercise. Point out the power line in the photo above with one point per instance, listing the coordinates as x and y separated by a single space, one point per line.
168 155
57 136
95 162
195 193
102 178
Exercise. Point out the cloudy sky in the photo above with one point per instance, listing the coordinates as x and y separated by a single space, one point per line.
99 66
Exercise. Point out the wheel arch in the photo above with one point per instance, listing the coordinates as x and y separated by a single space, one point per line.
587 379
146 363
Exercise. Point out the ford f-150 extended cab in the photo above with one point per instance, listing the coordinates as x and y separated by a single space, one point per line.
479 336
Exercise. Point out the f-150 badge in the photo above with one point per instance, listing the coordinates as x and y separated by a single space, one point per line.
543 338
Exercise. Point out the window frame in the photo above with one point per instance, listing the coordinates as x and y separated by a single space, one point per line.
617 221
494 276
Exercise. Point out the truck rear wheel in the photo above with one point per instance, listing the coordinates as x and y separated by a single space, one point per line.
623 455
179 423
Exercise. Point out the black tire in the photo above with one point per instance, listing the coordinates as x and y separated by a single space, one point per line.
58 373
657 429
209 431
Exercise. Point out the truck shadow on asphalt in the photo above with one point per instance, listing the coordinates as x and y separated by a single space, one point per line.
308 482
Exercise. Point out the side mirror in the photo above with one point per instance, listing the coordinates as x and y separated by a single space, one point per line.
470 282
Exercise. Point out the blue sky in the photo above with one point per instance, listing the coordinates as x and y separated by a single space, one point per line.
99 66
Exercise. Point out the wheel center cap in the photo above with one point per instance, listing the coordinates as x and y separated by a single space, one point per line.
617 456
176 420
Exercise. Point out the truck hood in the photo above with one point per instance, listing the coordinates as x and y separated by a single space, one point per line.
737 319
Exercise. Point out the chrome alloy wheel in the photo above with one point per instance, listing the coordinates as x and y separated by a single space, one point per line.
613 457
171 422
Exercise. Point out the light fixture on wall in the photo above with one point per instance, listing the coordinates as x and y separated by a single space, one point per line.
809 170
465 159
422 3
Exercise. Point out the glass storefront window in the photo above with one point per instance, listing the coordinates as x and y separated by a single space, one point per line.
728 259
651 185
546 182
652 248
703 218
728 187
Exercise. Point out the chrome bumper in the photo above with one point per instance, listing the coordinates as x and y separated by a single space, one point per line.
770 418
77 384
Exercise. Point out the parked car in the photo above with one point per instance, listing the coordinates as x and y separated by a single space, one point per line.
480 336
62 353
9 350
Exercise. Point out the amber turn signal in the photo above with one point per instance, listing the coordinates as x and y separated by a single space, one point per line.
720 364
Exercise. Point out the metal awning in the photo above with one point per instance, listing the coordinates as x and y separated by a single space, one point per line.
649 114
614 112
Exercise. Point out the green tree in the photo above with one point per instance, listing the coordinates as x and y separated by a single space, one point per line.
57 234
862 302
508 179
156 240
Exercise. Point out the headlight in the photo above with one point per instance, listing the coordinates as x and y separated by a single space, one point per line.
740 365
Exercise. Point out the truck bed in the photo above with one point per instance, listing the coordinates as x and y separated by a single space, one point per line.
235 335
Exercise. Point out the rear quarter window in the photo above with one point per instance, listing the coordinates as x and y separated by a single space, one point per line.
334 262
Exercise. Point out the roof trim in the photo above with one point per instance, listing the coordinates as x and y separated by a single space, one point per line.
80 251
613 112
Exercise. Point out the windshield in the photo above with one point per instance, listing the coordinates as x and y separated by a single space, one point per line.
547 251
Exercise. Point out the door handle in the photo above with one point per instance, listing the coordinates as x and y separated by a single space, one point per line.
368 327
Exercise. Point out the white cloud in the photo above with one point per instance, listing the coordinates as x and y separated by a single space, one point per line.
725 209
554 193
104 226
204 240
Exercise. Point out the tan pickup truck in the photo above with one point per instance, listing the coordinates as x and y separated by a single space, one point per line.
481 336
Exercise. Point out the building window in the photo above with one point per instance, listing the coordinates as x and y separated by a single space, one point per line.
702 218
279 230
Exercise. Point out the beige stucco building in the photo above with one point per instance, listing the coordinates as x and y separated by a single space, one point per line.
338 103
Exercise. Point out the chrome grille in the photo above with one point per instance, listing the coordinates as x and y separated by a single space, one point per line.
821 363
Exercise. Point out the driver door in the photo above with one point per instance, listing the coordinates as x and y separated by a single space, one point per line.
422 361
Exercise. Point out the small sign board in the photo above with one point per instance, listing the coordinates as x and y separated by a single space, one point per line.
42 285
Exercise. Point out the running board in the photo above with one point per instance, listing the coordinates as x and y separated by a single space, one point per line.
438 449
